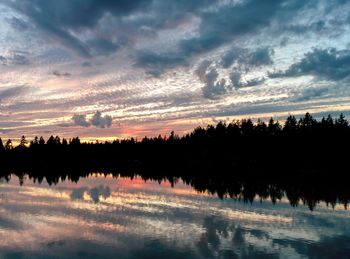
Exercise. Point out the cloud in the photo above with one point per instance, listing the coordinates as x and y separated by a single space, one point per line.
219 26
5 131
97 120
155 63
247 59
78 194
302 28
95 193
212 88
65 19
202 69
103 191
60 74
18 59
3 60
13 92
235 78
80 120
260 57
237 82
102 26
238 37
14 59
103 46
86 64
228 22
101 121
9 223
18 24
325 64
231 56
311 93
284 41
254 82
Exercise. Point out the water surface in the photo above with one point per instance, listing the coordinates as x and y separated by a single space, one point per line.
105 217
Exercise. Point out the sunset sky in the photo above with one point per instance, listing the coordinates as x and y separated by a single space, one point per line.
102 69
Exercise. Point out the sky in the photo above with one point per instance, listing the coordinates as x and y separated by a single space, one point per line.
103 69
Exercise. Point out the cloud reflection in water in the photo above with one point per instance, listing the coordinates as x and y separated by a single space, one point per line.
104 217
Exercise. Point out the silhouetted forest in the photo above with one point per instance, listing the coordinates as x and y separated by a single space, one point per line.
240 147
306 154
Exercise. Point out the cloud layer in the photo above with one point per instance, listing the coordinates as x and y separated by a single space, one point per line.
158 65
327 64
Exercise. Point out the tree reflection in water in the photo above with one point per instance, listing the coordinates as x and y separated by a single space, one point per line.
308 191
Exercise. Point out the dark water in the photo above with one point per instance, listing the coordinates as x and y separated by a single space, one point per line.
104 217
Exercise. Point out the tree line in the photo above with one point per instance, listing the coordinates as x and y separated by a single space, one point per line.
257 148
305 126
305 159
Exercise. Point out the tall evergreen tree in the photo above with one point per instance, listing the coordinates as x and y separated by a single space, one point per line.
2 148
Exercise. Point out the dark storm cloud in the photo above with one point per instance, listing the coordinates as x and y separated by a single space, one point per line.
327 64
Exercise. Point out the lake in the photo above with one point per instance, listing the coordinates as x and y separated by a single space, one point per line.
107 217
